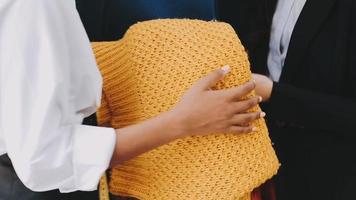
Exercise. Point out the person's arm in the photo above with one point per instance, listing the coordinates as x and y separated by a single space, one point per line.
312 110
49 82
201 111
309 109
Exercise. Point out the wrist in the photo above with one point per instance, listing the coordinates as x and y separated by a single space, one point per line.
269 90
174 124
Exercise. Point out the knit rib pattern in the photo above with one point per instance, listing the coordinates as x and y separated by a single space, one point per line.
146 73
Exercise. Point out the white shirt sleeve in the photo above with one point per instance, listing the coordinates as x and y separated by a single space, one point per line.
49 82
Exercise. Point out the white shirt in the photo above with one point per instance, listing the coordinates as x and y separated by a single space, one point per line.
49 81
284 20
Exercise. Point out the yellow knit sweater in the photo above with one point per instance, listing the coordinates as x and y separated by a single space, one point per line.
146 73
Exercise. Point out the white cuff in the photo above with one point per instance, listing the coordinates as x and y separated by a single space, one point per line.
93 148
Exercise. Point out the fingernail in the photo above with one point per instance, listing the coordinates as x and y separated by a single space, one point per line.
263 114
254 129
260 99
226 69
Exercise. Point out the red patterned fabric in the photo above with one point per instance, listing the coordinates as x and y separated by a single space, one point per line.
265 192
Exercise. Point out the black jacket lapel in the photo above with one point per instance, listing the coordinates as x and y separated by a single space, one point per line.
270 8
309 23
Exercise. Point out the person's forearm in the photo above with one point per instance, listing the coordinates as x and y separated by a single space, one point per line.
201 111
134 140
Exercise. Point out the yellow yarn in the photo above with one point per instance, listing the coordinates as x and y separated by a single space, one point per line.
146 73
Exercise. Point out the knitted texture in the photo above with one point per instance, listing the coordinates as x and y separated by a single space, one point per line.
145 74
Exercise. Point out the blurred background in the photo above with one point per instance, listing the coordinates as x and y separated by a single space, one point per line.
109 19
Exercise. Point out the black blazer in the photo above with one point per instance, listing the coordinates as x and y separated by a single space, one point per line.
311 114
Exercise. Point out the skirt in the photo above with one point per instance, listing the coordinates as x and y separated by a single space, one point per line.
11 188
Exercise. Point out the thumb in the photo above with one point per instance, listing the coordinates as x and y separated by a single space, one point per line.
212 78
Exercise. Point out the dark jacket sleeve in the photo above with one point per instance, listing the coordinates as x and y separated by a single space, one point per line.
308 109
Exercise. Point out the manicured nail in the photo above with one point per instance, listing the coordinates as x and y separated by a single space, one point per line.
226 69
260 99
262 114
254 129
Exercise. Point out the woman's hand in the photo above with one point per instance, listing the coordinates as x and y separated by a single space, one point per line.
202 110
264 86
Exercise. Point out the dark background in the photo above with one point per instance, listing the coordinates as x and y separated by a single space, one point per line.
108 19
